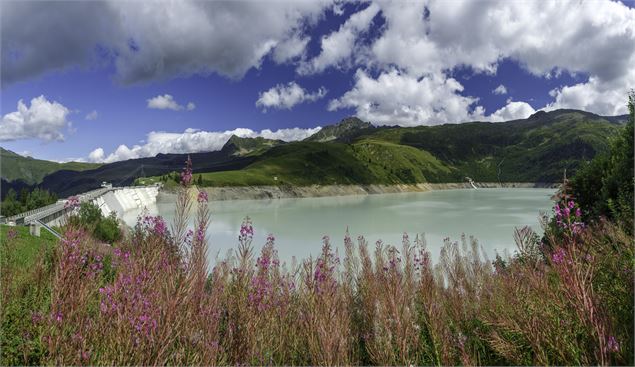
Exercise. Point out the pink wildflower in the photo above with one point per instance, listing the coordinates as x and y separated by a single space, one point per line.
558 256
202 196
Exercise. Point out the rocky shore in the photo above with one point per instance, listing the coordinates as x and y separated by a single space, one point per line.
279 192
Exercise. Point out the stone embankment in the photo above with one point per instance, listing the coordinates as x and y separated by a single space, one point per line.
279 192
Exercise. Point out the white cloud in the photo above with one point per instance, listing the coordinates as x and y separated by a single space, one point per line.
290 49
96 155
286 96
421 39
501 89
149 42
595 95
92 115
339 46
396 98
167 102
514 110
191 141
593 38
43 120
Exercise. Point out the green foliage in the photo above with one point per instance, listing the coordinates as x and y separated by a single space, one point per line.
27 200
604 186
91 219
537 149
89 214
107 229
26 263
32 171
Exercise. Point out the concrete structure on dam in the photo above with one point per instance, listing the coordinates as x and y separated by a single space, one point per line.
109 199
122 199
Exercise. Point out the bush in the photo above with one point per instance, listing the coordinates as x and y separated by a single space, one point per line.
107 229
604 187
156 303
89 214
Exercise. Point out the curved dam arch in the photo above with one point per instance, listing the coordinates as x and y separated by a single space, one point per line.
121 200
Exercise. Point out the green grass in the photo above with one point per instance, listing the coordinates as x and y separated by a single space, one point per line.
26 247
31 170
308 163
537 149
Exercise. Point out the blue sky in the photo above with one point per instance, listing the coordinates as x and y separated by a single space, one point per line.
94 77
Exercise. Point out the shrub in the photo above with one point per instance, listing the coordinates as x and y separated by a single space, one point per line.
567 299
604 187
107 229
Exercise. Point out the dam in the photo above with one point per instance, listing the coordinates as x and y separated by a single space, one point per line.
108 199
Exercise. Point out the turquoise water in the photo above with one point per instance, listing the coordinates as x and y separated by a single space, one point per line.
490 215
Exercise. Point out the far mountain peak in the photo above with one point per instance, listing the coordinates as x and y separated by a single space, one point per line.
343 130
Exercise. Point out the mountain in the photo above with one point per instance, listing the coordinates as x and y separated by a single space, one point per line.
536 149
238 146
30 170
342 131
122 173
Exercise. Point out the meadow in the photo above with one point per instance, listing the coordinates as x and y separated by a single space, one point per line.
565 298
150 299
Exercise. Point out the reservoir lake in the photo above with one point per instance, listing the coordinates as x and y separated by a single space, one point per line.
298 225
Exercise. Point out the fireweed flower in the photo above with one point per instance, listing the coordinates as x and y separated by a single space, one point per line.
613 345
558 256
154 225
202 196
71 203
246 231
186 175
200 234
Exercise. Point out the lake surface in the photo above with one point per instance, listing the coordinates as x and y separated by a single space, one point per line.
490 215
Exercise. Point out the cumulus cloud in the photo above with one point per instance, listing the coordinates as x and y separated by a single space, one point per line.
595 95
191 141
167 102
291 48
501 89
149 42
92 115
286 96
513 110
43 120
397 98
422 39
96 155
339 46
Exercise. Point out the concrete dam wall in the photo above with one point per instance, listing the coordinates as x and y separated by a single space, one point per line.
120 200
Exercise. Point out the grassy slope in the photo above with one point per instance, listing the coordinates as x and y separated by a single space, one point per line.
537 149
31 170
26 247
365 162
525 150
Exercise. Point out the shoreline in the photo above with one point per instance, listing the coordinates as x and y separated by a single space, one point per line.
223 193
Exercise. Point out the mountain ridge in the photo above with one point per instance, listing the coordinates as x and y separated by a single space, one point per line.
352 151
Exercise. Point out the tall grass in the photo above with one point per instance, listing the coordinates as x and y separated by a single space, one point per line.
151 299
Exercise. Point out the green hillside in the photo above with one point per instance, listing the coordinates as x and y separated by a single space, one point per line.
537 149
16 167
364 162
249 146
